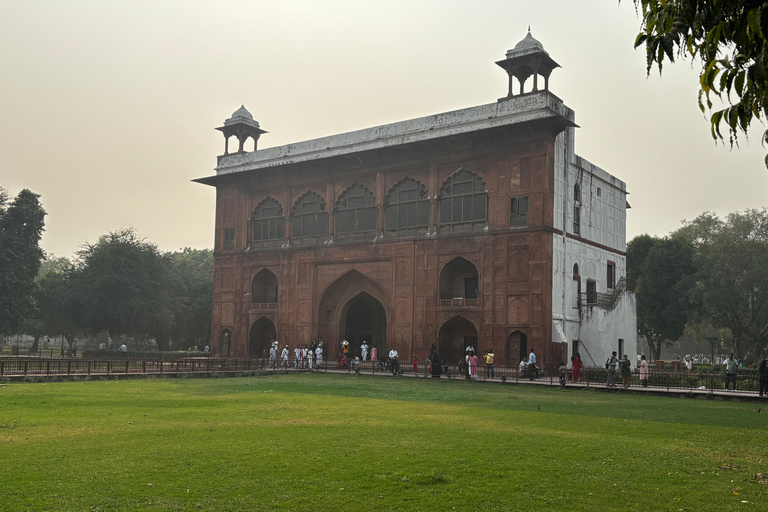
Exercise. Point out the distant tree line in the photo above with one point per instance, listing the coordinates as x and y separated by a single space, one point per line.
125 286
709 278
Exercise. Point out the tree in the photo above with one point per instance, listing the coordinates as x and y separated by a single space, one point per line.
729 37
731 288
58 303
194 271
126 286
663 269
21 227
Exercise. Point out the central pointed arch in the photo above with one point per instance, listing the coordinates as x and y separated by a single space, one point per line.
262 333
454 337
351 294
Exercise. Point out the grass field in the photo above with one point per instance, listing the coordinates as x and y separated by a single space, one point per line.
346 442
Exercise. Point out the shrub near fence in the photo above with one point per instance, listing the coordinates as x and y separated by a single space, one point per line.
746 380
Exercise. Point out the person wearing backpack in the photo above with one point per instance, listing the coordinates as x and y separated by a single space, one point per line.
610 365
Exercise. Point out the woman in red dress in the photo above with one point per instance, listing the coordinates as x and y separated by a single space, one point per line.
576 365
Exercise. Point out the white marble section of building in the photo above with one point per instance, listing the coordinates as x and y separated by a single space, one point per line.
592 311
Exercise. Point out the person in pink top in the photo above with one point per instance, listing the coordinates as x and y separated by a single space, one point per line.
473 365
644 371
373 353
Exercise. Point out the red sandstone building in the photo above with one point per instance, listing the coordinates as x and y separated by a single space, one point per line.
434 230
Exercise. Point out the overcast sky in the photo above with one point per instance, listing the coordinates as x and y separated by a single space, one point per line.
108 108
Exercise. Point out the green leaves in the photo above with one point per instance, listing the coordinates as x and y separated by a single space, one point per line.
730 39
21 227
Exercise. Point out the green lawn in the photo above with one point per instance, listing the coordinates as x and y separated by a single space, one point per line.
346 442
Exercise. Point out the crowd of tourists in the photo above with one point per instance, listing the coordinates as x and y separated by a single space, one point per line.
311 356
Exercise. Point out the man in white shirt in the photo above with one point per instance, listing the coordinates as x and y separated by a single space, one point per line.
123 348
319 354
364 350
532 358
297 356
284 357
273 356
393 360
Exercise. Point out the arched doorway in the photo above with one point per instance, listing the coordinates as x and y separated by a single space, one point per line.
262 333
356 308
363 319
517 349
454 337
459 283
226 340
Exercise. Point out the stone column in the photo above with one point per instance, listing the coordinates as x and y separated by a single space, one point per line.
288 225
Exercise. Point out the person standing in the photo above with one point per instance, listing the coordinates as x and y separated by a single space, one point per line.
489 364
297 357
473 365
532 369
345 349
364 350
610 365
393 359
626 371
74 348
644 371
284 357
272 356
730 371
689 365
374 355
319 354
576 365
762 374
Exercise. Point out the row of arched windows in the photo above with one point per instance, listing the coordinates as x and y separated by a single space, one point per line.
462 206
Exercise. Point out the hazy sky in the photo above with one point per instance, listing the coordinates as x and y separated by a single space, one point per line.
108 108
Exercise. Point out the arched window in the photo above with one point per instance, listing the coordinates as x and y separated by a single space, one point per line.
576 291
356 215
268 224
462 203
459 283
407 209
264 290
309 222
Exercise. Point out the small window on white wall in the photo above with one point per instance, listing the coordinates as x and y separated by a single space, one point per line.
611 275
576 287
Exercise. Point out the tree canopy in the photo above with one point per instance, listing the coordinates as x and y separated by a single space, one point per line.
710 276
729 38
21 227
731 287
663 270
125 286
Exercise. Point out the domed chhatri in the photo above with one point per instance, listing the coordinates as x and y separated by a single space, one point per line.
242 115
528 44
241 126
528 58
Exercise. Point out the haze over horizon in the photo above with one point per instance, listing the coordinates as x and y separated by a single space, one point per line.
109 108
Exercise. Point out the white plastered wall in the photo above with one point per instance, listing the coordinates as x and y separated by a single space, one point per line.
601 239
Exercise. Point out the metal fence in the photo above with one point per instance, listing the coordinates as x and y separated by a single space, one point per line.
127 365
